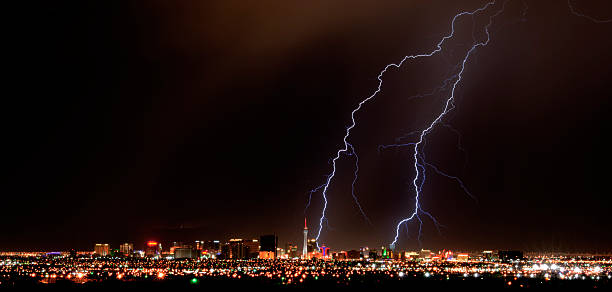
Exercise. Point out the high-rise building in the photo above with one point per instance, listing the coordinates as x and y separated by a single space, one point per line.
268 243
102 249
487 255
185 252
305 247
251 248
236 249
291 250
386 253
175 245
311 245
126 249
153 249
325 251
225 252
211 246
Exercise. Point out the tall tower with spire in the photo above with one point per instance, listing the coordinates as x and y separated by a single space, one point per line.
305 247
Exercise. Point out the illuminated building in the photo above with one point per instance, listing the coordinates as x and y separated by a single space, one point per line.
175 245
291 250
251 248
425 254
237 249
266 255
401 255
102 249
386 253
365 252
312 245
225 251
448 255
153 249
212 246
268 243
412 255
339 255
185 253
463 257
324 251
305 246
126 248
487 255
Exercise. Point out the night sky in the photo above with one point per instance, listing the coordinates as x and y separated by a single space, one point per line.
213 119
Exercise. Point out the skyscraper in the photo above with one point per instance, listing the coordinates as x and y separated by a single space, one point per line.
305 246
268 243
102 249
291 250
237 249
153 249
252 248
126 248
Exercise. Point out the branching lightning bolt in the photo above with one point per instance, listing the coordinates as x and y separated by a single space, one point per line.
355 175
347 145
419 162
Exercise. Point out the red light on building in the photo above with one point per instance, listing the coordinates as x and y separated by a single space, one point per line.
151 243
325 251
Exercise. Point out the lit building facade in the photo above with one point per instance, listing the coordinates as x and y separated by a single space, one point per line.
185 253
102 249
153 249
126 248
268 243
251 248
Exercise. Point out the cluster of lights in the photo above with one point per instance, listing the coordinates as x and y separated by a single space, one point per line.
84 269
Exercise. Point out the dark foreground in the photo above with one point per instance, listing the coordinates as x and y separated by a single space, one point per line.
365 282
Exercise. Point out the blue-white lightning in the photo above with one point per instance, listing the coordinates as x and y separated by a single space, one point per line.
419 162
348 147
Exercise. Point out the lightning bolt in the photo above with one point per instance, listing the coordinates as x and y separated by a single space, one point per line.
419 161
348 147
420 164
573 11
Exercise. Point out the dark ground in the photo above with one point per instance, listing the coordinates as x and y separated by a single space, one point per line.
365 282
